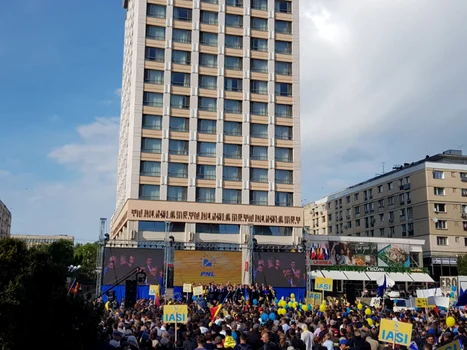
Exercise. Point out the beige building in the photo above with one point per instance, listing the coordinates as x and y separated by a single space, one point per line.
5 220
210 122
425 200
32 240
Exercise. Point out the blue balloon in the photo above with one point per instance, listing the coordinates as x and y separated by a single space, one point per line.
310 307
453 288
348 309
193 297
272 316
276 300
264 317
453 294
255 302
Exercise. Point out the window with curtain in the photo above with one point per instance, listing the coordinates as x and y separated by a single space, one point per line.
207 104
149 168
235 3
176 193
208 60
227 229
232 196
149 192
233 41
232 173
272 231
155 54
284 154
178 147
181 57
232 151
153 122
179 170
205 195
283 68
233 128
259 108
207 126
233 106
283 111
208 82
259 5
259 152
180 79
259 197
284 176
284 47
283 6
180 101
234 21
233 62
153 99
259 44
283 89
150 145
155 32
233 84
182 14
179 124
156 11
258 175
181 36
206 149
209 39
260 66
259 87
284 27
259 24
209 17
283 132
259 130
152 76
284 199
206 172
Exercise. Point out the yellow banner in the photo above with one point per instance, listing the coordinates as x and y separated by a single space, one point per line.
421 303
313 298
324 284
198 290
455 345
396 332
207 266
186 288
154 289
175 313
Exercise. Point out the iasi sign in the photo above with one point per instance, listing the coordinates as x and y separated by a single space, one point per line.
396 332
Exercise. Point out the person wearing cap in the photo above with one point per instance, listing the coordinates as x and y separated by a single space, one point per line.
343 344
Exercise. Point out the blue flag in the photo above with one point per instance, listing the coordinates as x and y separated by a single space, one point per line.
382 288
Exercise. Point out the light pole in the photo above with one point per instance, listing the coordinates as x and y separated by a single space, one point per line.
166 256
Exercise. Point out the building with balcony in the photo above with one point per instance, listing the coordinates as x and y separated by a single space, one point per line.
425 200
33 240
210 122
5 220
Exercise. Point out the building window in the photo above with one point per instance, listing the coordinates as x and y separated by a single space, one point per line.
259 5
233 63
283 47
463 177
464 192
232 84
179 124
441 225
259 66
283 111
391 200
178 147
286 133
259 87
206 149
283 6
150 145
234 21
284 27
284 199
206 172
233 42
153 99
176 193
355 196
181 36
233 106
155 54
148 168
208 60
182 14
284 154
179 170
207 104
205 195
235 3
207 126
155 11
208 39
232 151
180 79
209 17
283 89
159 226
153 122
259 108
258 44
438 174
258 175
232 173
465 242
208 82
272 231
181 57
218 229
284 176
440 207
180 101
214 2
233 128
442 240
231 196
259 152
149 192
259 197
155 32
439 191
390 186
464 210
259 130
283 68
410 229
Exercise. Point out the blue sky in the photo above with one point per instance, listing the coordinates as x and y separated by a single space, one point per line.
381 81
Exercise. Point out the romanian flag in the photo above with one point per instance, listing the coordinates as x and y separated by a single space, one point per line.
215 311
74 287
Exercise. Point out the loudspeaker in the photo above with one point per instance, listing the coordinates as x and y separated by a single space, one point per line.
131 287
350 293
170 277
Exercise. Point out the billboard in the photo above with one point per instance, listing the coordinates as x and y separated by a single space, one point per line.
120 261
279 269
393 255
207 266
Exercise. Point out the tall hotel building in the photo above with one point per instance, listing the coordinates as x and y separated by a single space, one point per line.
210 122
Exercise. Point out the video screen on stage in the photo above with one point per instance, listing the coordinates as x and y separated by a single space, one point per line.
207 266
120 261
279 269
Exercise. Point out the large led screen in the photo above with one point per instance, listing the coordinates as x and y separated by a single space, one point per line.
279 269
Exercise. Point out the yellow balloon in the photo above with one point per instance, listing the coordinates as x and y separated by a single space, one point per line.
367 312
290 304
450 321
359 306
305 308
292 296
370 321
322 308
294 305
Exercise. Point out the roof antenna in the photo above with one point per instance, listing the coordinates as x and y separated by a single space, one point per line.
383 165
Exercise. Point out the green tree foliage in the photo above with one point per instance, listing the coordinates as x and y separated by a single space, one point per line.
462 265
86 255
34 300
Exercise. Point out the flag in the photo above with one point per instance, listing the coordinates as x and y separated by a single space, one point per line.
326 254
215 311
247 295
413 346
157 297
74 287
313 252
382 287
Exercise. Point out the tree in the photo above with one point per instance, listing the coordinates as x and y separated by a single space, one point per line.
462 265
34 298
86 255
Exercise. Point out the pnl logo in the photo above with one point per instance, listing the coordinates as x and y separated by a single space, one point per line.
207 265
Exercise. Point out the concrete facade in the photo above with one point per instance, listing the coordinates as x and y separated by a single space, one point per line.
5 221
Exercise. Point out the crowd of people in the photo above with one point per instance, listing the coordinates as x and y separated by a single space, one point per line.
272 324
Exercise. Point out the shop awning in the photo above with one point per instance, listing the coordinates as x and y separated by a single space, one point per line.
399 277
335 275
374 276
421 277
315 273
356 276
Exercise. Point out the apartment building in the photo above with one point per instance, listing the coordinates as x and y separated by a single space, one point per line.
33 240
426 200
210 127
5 220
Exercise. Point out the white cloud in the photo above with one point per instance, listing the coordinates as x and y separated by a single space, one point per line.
118 92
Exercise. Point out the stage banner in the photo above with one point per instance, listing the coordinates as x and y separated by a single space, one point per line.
393 255
118 262
279 269
207 266
344 253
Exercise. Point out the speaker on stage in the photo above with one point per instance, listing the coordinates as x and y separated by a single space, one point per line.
131 288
